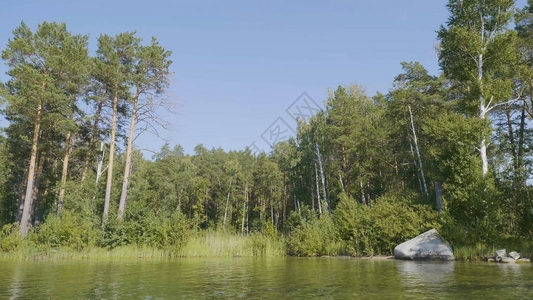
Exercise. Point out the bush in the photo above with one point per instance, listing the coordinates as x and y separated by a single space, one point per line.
10 239
312 236
117 233
170 232
378 229
67 231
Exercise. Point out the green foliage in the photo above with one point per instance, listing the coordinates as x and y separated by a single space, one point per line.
116 233
349 182
222 244
381 227
314 237
167 232
170 232
258 243
10 239
65 231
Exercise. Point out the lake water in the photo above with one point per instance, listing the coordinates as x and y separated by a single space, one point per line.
264 278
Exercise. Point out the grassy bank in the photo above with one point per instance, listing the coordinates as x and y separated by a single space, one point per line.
481 251
224 245
206 244
213 244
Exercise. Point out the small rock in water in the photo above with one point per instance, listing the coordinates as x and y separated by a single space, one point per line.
501 253
523 260
514 255
491 260
508 260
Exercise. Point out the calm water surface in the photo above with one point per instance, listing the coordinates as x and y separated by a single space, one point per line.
282 278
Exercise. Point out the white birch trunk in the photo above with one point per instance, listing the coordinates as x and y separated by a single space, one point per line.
319 157
418 153
244 209
271 208
100 163
483 109
227 202
363 199
318 193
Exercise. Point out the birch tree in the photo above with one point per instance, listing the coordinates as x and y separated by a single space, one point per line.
475 48
524 67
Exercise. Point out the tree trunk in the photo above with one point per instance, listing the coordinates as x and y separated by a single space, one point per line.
418 152
520 155
21 196
125 182
92 141
363 199
64 172
227 203
25 220
271 207
35 194
285 200
319 157
261 211
179 198
512 143
484 158
368 199
100 164
317 193
416 167
247 215
244 209
438 196
109 184
341 182
482 115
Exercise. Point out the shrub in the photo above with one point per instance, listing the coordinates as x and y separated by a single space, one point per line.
117 233
67 230
10 239
170 232
378 229
313 236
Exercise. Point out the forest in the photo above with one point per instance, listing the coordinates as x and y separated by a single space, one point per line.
452 152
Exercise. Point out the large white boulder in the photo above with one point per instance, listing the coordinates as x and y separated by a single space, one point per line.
428 245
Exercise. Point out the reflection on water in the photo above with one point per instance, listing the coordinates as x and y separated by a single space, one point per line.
418 277
286 278
15 287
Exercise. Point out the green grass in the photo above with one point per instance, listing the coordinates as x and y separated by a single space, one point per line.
65 253
481 251
206 244
221 244
217 244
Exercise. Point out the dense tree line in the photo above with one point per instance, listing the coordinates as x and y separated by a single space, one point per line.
451 151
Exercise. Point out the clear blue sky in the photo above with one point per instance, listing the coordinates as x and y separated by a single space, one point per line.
239 64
